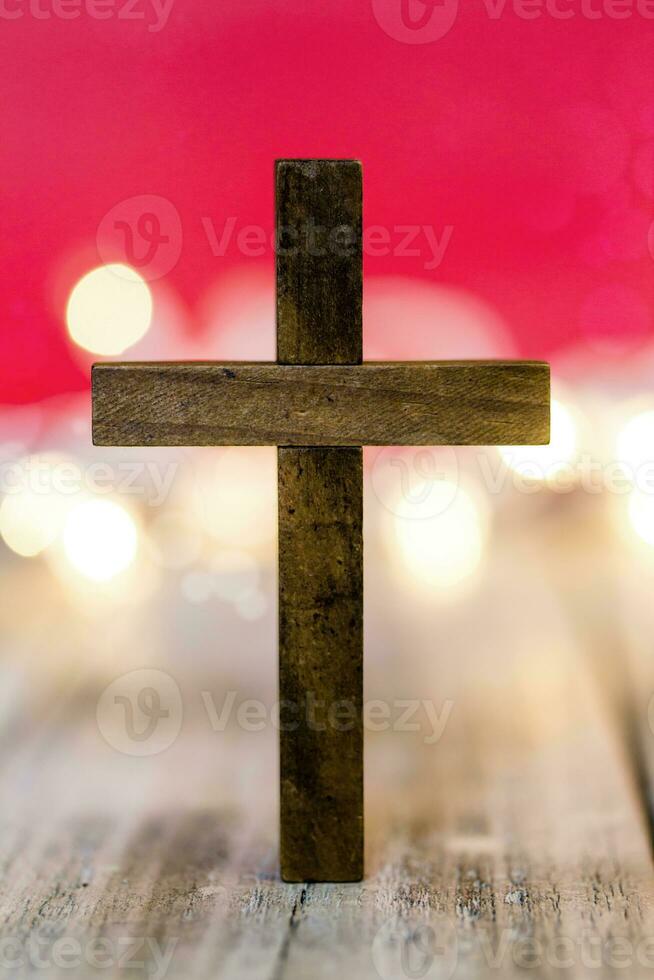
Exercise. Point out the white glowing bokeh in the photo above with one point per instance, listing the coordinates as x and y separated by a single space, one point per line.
29 523
542 463
635 443
235 499
109 309
641 515
447 548
33 513
100 539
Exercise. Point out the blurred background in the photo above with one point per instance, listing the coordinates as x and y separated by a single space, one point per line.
508 155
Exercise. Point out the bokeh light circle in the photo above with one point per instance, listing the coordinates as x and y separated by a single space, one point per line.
635 443
109 310
33 511
640 509
447 548
100 539
543 463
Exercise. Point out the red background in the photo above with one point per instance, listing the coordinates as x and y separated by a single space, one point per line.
532 138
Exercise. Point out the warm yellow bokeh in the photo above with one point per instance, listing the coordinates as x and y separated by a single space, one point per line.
234 498
109 310
543 463
641 515
100 539
635 443
28 523
34 509
443 550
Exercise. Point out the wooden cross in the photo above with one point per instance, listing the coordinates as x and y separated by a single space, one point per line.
319 404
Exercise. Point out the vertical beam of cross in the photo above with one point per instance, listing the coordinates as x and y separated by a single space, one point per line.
319 284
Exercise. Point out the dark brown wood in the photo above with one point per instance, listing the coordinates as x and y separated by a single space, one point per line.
320 523
319 261
423 403
321 663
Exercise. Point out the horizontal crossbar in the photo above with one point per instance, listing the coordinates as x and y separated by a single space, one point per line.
376 403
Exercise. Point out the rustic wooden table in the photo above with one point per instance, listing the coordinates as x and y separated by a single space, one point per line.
519 840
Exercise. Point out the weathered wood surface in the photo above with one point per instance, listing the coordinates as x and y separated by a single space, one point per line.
319 261
320 494
321 663
534 853
518 837
377 403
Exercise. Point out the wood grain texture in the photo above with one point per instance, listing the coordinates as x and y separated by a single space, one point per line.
321 663
319 283
516 842
376 403
319 261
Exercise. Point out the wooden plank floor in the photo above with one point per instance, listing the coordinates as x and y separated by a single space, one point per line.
515 844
